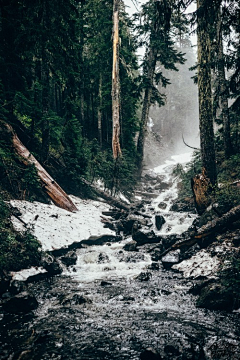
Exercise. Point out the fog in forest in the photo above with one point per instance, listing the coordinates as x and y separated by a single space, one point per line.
178 118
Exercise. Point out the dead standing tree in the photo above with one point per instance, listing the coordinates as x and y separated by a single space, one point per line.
116 83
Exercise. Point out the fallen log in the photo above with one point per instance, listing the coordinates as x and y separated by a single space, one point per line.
219 223
216 225
113 201
54 191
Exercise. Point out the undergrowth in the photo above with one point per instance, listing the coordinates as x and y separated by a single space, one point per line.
17 251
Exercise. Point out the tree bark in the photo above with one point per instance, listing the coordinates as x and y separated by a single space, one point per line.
100 111
205 93
115 83
55 192
219 223
223 96
151 64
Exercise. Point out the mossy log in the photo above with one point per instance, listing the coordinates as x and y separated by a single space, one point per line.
50 186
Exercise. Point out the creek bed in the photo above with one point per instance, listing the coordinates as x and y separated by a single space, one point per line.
112 305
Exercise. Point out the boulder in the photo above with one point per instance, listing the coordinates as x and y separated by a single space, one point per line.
130 246
20 303
153 266
69 258
74 299
17 286
216 297
144 236
156 254
50 263
171 258
150 354
4 282
162 205
144 276
159 221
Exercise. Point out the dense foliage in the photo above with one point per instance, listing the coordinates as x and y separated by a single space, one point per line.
17 251
55 77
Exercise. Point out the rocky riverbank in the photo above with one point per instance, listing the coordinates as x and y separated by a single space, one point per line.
124 293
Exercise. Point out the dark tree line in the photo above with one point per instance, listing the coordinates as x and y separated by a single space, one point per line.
56 80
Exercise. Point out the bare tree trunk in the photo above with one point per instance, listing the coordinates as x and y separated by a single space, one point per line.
55 192
151 63
223 96
115 83
205 95
100 111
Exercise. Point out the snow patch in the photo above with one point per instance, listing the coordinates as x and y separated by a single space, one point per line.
23 275
201 264
56 228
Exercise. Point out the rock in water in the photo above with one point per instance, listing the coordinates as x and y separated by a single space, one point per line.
20 303
130 246
170 259
69 259
159 221
150 354
52 266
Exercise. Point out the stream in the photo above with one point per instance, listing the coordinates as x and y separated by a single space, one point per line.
114 304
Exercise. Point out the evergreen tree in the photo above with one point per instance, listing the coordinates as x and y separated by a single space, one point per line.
159 48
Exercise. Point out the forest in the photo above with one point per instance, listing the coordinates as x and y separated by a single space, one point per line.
56 85
96 93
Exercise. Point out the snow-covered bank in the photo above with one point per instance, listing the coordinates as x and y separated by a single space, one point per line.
56 228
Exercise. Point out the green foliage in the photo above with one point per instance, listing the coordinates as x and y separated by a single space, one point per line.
17 251
191 169
230 277
16 178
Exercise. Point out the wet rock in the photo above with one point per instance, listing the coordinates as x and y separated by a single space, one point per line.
162 205
144 236
168 240
74 299
151 175
69 258
4 282
102 258
153 266
51 264
156 254
183 206
144 276
130 246
159 221
171 350
223 349
17 286
173 257
216 297
162 186
20 303
150 354
100 240
105 283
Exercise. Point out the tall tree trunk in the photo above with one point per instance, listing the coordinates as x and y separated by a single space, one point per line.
205 94
115 83
223 96
100 111
151 63
45 89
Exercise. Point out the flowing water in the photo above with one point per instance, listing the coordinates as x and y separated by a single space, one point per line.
101 308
